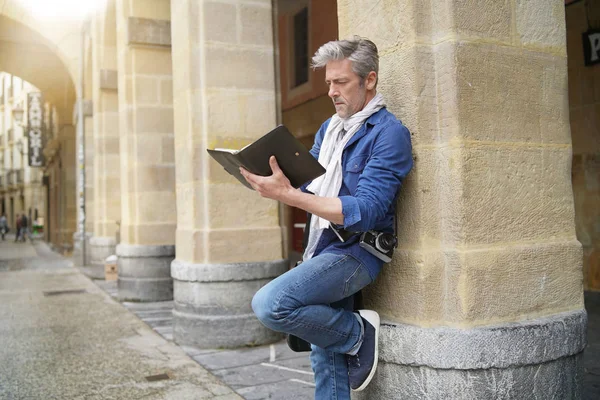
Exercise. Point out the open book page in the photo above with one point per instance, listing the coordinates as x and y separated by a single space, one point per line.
245 146
231 151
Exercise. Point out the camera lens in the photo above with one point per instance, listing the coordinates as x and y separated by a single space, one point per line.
386 241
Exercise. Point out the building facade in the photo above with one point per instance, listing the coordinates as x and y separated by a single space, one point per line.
21 177
483 296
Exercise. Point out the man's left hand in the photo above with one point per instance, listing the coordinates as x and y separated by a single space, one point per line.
276 187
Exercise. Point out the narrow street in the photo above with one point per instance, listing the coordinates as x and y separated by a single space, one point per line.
66 337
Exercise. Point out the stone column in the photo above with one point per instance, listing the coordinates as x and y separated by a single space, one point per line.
107 181
53 231
483 298
229 241
88 131
67 215
146 147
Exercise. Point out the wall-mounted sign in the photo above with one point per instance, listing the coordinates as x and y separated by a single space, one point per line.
591 46
35 128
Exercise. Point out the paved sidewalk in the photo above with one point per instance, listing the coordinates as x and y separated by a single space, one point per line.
64 338
262 372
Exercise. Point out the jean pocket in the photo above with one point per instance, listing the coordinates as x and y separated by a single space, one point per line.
358 280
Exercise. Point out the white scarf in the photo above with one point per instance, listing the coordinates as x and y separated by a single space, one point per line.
338 134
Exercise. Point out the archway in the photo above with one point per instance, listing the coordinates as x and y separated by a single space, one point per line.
45 54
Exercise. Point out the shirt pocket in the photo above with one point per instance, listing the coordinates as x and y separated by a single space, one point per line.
354 168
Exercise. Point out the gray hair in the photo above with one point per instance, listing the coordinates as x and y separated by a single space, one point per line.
361 51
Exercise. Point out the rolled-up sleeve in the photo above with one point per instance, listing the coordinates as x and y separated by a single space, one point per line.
389 163
351 211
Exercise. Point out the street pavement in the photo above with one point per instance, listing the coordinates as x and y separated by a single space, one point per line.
62 337
260 372
66 337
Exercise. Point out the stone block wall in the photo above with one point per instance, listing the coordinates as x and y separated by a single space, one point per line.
229 239
487 233
147 162
67 199
496 170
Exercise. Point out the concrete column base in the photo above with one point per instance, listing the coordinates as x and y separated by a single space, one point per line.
144 272
535 359
213 303
99 248
78 249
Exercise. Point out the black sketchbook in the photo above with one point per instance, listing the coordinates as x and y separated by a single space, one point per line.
293 158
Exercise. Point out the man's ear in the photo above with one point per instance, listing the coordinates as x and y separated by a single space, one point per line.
371 80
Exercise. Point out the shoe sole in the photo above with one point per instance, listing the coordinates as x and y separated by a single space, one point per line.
373 318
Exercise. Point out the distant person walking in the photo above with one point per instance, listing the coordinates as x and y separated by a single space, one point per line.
17 227
24 222
3 226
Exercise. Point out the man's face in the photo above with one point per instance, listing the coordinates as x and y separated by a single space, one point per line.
345 89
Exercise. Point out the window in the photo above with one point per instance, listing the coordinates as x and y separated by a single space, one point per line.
301 47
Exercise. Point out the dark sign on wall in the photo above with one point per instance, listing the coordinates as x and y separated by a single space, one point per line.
591 46
35 128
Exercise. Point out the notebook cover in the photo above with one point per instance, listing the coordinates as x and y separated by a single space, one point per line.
293 158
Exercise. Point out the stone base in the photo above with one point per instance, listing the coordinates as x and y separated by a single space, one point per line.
144 272
100 248
213 303
536 359
78 249
93 271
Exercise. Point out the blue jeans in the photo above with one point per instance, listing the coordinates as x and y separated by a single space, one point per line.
314 302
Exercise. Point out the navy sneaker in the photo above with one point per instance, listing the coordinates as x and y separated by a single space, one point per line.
362 366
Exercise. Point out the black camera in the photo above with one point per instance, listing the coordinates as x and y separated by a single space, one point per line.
380 244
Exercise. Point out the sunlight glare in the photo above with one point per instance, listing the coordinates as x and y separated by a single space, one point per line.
62 9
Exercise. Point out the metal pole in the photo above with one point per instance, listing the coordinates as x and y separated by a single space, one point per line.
81 147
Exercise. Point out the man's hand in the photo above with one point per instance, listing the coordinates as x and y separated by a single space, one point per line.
276 186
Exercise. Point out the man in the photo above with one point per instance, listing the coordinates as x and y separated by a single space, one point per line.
17 228
3 226
367 154
24 226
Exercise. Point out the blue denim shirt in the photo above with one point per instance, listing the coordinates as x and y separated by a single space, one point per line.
375 162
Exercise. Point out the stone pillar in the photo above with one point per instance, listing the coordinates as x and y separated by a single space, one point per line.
53 187
88 131
146 147
67 215
483 298
228 239
107 181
